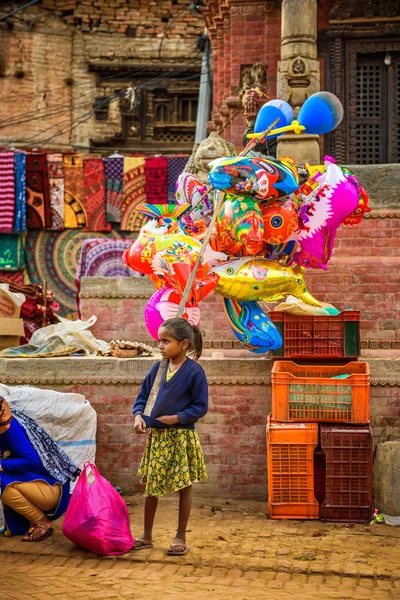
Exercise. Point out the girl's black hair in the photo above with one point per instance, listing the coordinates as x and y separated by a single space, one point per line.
181 330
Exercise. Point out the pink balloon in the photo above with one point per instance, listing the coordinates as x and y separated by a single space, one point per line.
164 305
336 200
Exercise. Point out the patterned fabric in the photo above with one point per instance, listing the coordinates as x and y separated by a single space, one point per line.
20 192
95 195
157 180
176 164
53 257
15 277
56 187
7 192
38 214
114 171
52 457
102 258
172 460
134 193
74 191
12 256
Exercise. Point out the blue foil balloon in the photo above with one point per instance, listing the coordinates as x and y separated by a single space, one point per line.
321 113
269 112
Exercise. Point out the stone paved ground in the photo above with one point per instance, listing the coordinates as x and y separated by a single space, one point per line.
236 553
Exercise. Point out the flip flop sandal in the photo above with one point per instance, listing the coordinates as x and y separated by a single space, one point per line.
172 552
48 532
144 546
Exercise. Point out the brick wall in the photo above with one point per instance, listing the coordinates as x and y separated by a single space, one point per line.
232 433
49 52
244 33
363 274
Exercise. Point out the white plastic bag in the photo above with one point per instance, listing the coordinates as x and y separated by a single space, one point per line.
73 333
68 418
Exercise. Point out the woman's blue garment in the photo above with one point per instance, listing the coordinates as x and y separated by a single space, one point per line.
22 464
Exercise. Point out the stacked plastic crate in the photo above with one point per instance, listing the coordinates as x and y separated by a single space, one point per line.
318 435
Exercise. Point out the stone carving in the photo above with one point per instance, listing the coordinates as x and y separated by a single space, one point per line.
209 149
298 67
347 9
382 214
122 380
248 11
247 98
298 80
114 294
298 70
132 380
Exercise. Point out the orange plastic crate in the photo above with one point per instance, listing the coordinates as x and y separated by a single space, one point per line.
320 393
290 449
315 337
348 479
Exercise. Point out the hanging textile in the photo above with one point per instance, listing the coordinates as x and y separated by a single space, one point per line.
134 193
56 187
7 192
53 256
95 199
156 180
176 164
12 256
14 277
102 257
74 191
114 172
38 214
20 192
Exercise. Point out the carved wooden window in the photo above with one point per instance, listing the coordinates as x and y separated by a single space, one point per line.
101 107
371 113
188 110
374 109
163 121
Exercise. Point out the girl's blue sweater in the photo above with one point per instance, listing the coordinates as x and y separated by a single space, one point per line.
185 395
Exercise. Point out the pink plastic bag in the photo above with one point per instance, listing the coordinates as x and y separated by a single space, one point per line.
97 518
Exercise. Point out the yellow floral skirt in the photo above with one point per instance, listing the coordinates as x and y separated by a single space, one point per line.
172 460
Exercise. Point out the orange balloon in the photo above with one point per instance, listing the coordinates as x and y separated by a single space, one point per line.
280 220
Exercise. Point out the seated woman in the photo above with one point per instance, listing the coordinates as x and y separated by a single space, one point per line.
35 475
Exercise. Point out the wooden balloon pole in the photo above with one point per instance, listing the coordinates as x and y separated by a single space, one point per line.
164 363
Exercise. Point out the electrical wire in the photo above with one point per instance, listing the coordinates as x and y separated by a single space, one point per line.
167 29
18 9
48 111
89 114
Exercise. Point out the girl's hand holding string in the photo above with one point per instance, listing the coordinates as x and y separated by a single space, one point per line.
139 424
169 419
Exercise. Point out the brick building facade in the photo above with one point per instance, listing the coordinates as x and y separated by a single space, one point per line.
61 59
358 52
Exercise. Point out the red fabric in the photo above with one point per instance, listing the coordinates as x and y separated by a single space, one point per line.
156 170
95 195
7 192
38 211
16 277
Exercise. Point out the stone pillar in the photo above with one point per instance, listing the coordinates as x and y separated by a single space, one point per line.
298 70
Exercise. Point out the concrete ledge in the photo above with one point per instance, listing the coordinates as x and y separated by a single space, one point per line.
382 183
99 370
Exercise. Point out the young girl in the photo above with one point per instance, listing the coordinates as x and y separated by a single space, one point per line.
173 458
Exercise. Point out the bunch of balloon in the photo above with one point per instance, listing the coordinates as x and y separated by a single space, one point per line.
276 219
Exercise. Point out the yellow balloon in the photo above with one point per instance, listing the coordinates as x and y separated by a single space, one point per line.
246 279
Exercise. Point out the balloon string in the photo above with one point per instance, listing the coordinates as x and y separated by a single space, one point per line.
162 369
